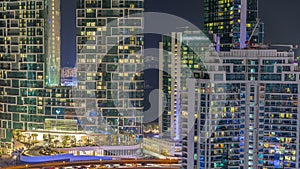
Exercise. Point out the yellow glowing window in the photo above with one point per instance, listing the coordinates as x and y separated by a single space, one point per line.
91 47
89 33
232 110
91 38
89 11
40 77
184 113
248 25
281 115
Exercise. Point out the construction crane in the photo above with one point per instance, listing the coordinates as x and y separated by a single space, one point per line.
292 47
254 29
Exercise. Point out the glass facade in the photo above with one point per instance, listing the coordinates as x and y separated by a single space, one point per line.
180 56
110 77
22 61
52 39
248 120
223 18
109 61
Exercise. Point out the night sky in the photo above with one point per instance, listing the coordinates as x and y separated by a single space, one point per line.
280 18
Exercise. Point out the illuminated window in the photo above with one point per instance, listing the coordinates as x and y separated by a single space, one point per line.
91 47
89 10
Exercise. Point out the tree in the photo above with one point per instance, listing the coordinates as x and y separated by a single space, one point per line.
73 140
88 141
23 138
66 140
29 139
17 135
34 137
56 143
79 142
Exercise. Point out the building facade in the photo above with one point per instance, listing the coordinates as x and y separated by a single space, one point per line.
161 148
245 114
224 19
109 62
52 38
109 96
23 57
68 76
180 53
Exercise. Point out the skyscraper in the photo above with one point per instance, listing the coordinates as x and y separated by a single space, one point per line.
23 55
226 19
244 114
109 50
109 61
53 43
180 54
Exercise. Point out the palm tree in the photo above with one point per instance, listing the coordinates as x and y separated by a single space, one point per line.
56 142
34 136
22 138
66 140
73 141
18 134
88 141
29 139
79 142
45 139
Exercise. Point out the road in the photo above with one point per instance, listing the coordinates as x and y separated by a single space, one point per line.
105 162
